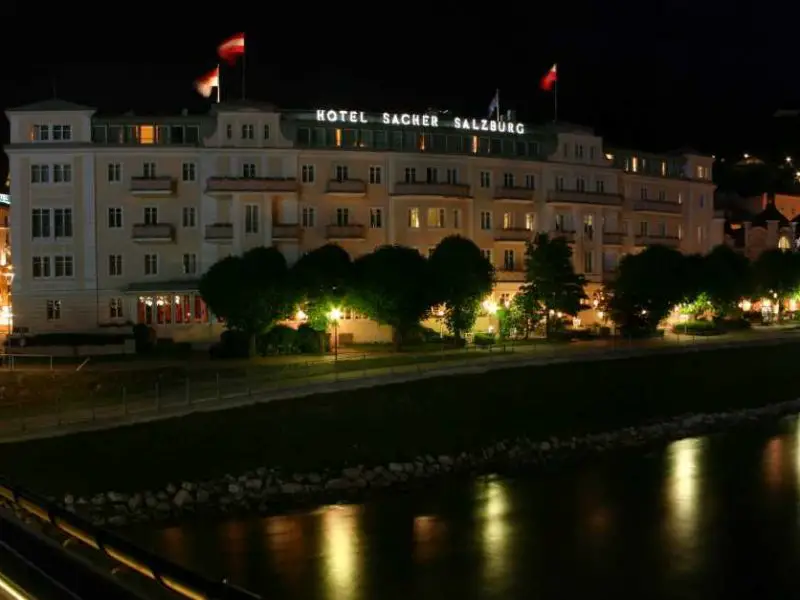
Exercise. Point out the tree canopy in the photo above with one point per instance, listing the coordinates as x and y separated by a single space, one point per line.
322 279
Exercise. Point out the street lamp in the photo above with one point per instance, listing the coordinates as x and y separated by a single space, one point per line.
334 316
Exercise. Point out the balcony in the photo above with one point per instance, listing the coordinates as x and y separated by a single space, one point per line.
345 232
516 275
219 233
153 232
566 234
438 190
513 194
512 234
614 238
346 187
286 232
152 186
576 197
658 206
658 240
235 185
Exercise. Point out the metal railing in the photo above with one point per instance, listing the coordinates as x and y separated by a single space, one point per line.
57 521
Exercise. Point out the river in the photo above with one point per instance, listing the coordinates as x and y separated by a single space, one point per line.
704 518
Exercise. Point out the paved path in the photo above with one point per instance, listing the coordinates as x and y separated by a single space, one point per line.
91 418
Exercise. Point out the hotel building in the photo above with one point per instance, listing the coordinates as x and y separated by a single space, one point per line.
116 218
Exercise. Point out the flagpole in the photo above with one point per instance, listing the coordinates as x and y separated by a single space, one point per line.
555 101
219 84
244 72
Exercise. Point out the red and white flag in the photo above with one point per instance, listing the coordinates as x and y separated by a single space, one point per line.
232 48
208 82
549 80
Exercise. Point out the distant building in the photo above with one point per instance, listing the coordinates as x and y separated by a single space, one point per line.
6 265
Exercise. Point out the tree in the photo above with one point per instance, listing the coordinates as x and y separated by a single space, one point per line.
551 281
392 286
251 292
461 278
777 275
321 279
648 286
728 278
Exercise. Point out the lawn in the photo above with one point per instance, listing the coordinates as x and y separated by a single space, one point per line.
401 421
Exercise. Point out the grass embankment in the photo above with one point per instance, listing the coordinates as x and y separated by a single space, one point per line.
389 423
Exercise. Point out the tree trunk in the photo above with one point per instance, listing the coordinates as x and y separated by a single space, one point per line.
251 345
547 325
397 338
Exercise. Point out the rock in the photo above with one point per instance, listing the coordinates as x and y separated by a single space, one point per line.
253 484
314 478
171 489
69 500
188 486
182 497
134 502
117 520
234 488
545 447
150 501
163 507
445 461
292 488
395 468
340 483
352 472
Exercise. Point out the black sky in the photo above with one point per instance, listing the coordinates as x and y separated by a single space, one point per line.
654 75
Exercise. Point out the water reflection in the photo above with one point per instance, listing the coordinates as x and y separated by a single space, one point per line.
287 544
774 463
340 550
493 513
429 533
684 472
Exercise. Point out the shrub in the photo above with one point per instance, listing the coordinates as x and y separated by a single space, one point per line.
144 338
700 328
281 339
310 341
232 344
483 340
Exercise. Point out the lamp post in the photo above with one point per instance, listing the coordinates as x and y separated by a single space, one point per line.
334 316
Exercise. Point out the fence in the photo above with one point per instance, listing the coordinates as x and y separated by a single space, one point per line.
174 393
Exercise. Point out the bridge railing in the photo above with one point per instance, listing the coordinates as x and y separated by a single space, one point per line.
173 577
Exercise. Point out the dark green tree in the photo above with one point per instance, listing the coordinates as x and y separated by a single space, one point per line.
461 278
392 286
251 292
776 274
322 278
728 278
551 281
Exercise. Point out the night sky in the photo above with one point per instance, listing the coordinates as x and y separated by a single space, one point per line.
650 75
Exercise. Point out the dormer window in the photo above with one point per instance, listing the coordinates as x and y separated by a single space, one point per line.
248 132
62 133
40 133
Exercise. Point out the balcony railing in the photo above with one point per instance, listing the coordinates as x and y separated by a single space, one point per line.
658 206
347 187
286 232
513 234
568 235
514 194
153 232
230 185
152 186
345 232
613 237
658 240
516 275
577 197
442 190
219 232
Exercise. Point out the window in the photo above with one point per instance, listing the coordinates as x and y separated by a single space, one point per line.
53 310
580 184
508 260
342 217
63 222
559 184
375 175
229 131
486 220
643 228
150 215
62 173
410 175
699 234
413 218
40 173
115 265
530 221
151 264
40 223
634 164
64 266
600 186
487 254
452 176
702 201
588 262
115 308
643 193
530 182
662 196
342 173
307 174
588 226
251 218
266 132
149 170
783 243
62 133
578 151
486 179
114 172
248 132
456 218
508 220
375 218
114 218
435 217
189 216
308 216
189 171
189 264
248 170
41 267
661 229
40 133
508 180
431 175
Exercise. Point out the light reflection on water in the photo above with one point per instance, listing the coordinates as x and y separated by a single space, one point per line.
679 519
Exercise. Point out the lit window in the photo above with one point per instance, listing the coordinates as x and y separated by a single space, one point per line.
147 134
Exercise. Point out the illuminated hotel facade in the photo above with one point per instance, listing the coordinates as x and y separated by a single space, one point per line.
116 218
